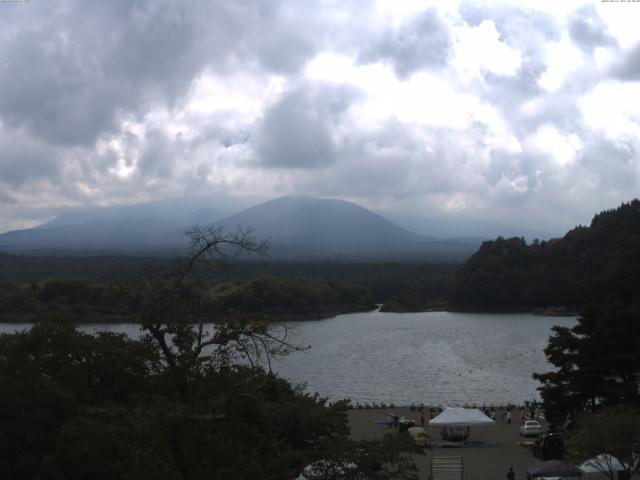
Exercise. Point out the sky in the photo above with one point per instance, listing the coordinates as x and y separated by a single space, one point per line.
518 112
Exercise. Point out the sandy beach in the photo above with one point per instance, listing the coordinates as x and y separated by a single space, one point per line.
482 463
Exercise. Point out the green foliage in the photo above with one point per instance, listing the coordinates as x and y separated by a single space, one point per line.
572 271
46 374
277 296
78 406
288 290
598 361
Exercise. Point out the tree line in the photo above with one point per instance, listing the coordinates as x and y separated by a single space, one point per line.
573 271
278 297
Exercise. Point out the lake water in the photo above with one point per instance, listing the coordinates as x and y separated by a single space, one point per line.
440 358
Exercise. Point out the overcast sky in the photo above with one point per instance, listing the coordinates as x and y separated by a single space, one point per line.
521 112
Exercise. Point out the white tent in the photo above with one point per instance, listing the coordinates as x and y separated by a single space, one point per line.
461 417
602 463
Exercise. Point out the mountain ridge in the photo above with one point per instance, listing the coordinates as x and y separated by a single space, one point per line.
297 226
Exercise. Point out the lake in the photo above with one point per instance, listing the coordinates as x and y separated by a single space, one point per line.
440 358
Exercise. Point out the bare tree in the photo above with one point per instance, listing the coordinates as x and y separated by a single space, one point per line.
170 311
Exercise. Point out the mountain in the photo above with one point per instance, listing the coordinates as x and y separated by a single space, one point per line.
300 226
300 220
297 227
155 225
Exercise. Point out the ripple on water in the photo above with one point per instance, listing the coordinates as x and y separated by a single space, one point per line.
433 357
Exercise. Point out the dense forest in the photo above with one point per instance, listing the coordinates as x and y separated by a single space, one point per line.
282 298
573 271
90 287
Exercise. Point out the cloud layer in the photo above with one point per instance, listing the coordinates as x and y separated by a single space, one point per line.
509 112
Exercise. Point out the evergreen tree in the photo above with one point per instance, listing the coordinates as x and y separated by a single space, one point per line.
597 360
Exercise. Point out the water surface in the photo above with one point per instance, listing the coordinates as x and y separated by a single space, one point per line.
433 357
440 358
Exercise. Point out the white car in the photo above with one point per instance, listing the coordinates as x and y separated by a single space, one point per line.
530 427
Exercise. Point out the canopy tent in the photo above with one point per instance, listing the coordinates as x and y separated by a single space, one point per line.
602 463
553 468
461 417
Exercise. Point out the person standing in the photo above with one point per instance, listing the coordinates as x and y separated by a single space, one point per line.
508 416
511 474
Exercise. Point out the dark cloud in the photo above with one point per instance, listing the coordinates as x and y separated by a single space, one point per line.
421 42
75 77
612 165
298 130
46 89
589 31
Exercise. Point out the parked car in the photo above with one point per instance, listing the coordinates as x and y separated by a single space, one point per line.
530 428
549 446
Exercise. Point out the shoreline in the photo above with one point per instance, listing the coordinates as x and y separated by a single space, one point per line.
414 407
9 318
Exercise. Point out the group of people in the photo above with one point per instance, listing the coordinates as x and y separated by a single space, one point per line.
422 418
495 414
394 420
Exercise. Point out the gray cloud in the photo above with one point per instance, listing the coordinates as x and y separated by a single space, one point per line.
75 74
5 198
522 28
589 31
529 30
421 42
613 166
297 131
23 159
68 81
629 67
158 157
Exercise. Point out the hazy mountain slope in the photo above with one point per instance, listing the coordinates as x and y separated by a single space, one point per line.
439 227
297 226
153 225
121 233
178 213
309 221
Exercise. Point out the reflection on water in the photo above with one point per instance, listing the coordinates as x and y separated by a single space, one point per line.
434 357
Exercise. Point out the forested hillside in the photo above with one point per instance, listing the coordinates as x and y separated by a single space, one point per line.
571 272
